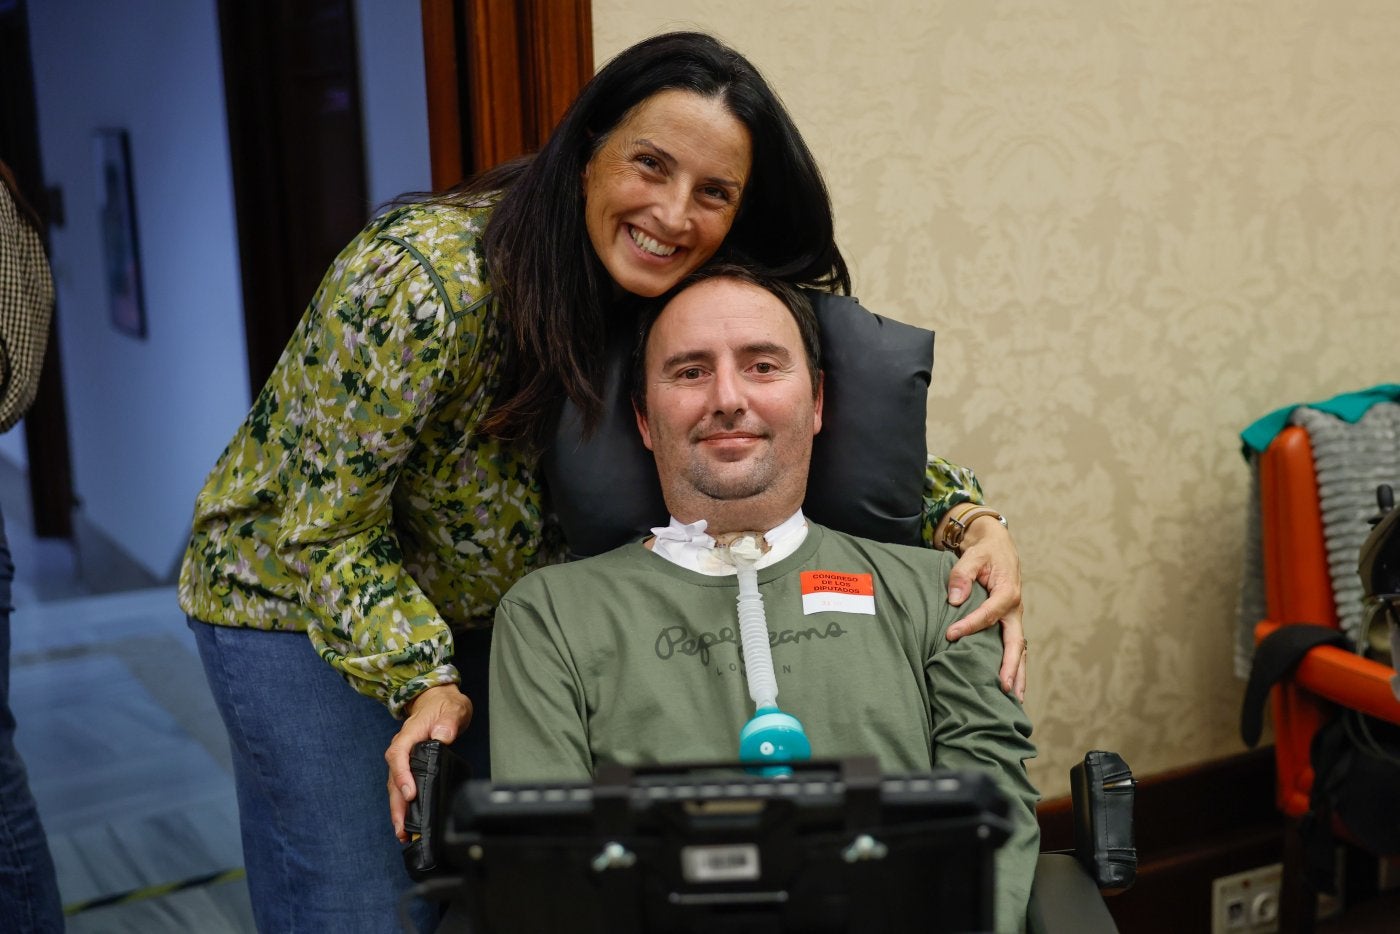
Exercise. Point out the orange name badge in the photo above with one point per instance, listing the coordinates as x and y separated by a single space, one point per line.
837 592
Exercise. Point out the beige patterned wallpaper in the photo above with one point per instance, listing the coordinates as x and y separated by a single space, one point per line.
1136 225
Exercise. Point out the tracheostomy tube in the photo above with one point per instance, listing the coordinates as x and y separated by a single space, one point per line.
771 738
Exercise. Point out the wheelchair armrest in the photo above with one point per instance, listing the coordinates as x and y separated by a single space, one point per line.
1067 893
1065 899
1103 792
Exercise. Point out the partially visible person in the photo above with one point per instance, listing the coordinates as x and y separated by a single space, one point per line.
29 899
636 656
383 493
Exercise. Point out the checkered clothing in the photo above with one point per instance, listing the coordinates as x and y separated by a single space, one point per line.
26 307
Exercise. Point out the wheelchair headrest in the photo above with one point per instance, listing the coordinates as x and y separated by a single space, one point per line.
868 462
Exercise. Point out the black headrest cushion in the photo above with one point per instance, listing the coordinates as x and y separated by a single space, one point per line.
868 462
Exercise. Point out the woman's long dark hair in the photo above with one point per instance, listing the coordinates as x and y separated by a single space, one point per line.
554 291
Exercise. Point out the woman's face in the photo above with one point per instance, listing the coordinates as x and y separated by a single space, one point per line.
662 191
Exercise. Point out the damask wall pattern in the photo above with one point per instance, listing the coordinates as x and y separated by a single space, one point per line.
1136 225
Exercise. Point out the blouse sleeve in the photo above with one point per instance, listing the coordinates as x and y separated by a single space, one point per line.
946 485
380 353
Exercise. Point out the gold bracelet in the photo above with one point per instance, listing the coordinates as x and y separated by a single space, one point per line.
958 525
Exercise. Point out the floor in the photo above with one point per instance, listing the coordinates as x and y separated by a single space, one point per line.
126 755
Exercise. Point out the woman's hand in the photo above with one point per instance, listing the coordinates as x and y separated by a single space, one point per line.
438 713
990 558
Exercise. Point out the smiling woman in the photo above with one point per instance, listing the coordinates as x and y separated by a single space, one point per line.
662 191
384 492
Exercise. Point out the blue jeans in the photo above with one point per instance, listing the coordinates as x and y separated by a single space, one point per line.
308 763
28 888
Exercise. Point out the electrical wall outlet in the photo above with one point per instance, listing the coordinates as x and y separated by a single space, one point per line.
1247 902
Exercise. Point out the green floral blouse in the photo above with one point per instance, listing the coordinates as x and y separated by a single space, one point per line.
359 501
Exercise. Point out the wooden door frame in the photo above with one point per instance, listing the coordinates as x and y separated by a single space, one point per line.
500 74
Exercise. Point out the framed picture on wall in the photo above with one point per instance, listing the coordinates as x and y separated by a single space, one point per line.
120 250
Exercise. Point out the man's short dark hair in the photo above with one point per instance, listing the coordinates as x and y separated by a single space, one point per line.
793 298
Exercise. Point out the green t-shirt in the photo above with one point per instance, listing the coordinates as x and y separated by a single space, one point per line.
628 658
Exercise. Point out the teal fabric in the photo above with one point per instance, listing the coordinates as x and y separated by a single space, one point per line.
1349 407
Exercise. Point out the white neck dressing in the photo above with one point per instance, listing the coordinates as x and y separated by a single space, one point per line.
690 546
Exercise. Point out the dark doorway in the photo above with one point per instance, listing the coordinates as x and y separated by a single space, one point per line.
291 82
46 424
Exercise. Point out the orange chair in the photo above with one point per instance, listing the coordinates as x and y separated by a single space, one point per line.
1298 589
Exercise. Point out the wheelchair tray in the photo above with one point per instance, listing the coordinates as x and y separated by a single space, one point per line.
836 847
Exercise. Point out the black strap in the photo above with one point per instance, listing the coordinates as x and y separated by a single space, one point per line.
1275 659
863 780
612 799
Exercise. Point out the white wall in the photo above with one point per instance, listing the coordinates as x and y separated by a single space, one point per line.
146 418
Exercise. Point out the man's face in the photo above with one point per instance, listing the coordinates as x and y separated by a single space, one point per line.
730 404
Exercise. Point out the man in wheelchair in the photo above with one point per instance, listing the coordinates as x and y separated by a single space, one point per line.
638 656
